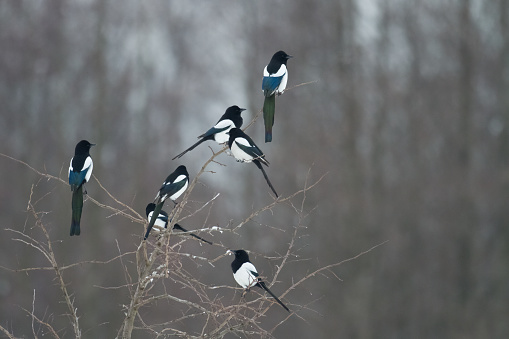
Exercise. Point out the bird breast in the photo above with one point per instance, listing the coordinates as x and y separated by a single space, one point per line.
238 153
222 137
244 277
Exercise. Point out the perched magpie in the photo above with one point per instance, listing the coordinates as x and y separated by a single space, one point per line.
231 118
162 221
246 276
80 170
275 77
173 187
245 150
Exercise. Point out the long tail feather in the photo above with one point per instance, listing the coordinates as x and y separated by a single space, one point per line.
259 165
177 226
189 149
77 207
262 285
155 214
269 106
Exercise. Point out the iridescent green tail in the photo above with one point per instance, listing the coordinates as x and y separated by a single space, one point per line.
77 207
269 106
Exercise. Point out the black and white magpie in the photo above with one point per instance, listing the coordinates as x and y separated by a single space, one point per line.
275 77
245 150
80 170
246 276
231 118
162 221
173 187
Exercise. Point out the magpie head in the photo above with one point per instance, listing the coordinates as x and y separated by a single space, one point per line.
181 170
235 110
234 132
282 57
83 147
241 255
150 208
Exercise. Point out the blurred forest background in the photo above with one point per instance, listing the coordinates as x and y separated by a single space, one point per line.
409 118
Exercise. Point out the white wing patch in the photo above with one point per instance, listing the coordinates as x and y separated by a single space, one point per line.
244 277
70 166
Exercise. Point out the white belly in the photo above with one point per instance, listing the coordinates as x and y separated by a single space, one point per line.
240 154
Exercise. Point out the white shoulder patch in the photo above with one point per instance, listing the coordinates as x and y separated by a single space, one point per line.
89 164
180 178
224 123
282 86
265 73
243 141
280 72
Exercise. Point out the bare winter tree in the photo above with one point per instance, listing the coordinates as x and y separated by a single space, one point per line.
160 269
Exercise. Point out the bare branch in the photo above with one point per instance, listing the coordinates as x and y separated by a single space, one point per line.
7 333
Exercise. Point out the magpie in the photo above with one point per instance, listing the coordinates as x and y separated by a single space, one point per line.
173 187
246 276
230 118
245 150
80 170
275 77
162 221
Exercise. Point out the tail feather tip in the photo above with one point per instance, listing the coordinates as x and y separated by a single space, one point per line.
268 136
